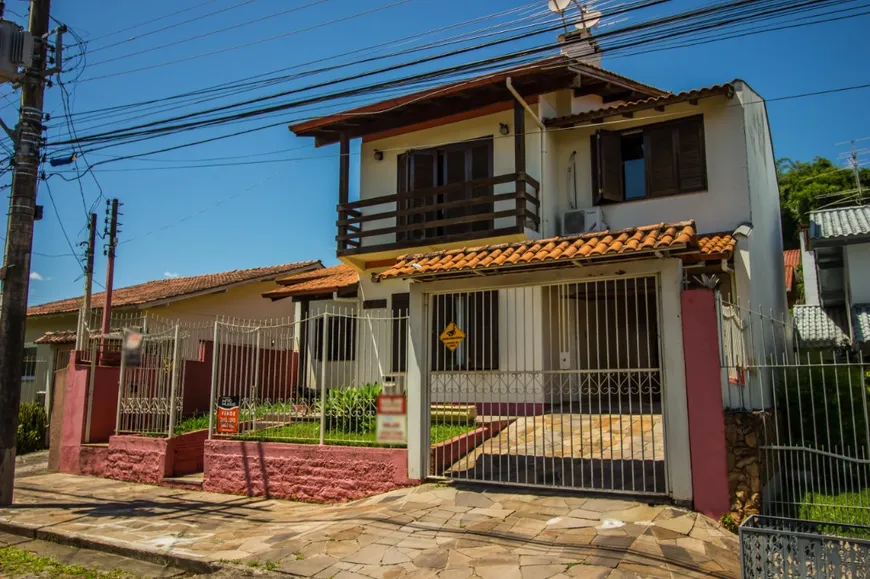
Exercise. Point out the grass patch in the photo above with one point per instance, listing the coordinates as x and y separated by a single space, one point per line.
192 424
843 508
308 432
19 563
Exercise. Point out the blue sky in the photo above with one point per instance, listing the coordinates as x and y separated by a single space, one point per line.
199 220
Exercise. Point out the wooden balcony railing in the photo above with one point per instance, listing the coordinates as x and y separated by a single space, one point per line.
455 212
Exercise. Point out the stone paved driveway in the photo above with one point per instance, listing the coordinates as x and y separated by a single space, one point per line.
427 531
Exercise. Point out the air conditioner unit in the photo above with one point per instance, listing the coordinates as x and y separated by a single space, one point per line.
583 221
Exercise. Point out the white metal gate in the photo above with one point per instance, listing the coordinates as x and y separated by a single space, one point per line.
552 385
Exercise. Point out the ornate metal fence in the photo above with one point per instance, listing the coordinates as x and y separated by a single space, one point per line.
779 547
312 380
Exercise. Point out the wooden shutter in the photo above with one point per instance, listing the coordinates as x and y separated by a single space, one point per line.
481 168
400 304
402 175
608 161
691 162
661 161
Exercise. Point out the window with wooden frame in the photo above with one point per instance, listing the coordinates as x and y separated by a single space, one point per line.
651 161
449 212
341 337
476 315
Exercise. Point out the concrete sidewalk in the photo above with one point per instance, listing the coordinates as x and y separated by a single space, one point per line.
427 531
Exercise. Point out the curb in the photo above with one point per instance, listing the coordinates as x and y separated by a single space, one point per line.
142 554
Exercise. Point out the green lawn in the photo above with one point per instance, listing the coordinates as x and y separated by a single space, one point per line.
18 563
191 424
309 433
843 508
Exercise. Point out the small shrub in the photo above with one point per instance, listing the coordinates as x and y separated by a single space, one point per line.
32 424
192 424
352 410
728 523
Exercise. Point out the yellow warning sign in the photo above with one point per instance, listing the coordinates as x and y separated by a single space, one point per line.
452 336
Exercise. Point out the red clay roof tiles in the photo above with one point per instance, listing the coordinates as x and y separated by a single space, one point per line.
589 246
321 281
171 289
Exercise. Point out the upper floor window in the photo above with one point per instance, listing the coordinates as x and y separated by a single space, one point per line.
432 200
651 161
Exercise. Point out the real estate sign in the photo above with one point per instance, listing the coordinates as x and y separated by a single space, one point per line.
392 419
228 415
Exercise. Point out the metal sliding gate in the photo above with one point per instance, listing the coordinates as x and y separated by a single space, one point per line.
551 385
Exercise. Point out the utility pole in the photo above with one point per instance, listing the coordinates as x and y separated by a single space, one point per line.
112 235
15 273
853 161
85 310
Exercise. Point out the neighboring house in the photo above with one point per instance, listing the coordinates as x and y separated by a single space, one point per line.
836 265
792 260
51 327
540 224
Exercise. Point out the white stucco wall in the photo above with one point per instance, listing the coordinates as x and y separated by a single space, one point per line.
857 264
724 205
811 277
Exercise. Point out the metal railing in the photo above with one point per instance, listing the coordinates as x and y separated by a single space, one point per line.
780 547
813 409
313 380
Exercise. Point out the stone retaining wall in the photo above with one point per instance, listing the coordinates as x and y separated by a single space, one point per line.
305 472
744 434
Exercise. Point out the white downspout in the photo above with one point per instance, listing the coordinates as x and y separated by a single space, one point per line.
542 132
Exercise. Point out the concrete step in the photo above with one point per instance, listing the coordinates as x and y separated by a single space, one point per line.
192 482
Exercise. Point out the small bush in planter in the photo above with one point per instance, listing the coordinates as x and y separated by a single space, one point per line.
352 410
32 424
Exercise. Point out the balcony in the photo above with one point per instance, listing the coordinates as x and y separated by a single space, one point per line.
482 208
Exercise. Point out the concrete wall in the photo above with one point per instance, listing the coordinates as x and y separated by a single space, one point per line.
857 265
305 472
811 277
243 301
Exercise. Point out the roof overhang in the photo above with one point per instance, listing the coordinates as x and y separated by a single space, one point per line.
540 77
654 102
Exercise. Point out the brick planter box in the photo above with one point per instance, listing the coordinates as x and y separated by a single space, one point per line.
149 460
306 472
445 453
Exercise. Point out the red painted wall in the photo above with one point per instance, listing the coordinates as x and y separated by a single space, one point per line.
303 471
445 453
138 459
704 398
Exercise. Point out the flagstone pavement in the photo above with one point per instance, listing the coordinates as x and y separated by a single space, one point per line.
432 530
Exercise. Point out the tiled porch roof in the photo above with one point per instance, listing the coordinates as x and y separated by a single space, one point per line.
59 337
634 242
791 259
819 327
861 322
320 281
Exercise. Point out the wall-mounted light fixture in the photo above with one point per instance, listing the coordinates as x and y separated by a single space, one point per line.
379 155
504 129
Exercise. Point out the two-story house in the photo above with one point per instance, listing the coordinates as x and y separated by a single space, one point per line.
835 252
539 224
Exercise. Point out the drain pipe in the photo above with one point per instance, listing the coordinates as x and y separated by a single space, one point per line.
543 130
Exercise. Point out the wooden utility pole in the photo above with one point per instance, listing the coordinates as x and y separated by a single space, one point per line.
112 236
84 313
15 273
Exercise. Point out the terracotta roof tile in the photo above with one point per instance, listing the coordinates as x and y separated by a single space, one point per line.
320 281
59 337
792 259
171 289
599 245
716 245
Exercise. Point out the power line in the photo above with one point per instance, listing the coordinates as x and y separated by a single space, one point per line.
147 22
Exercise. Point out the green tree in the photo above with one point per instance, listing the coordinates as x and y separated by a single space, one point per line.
805 186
